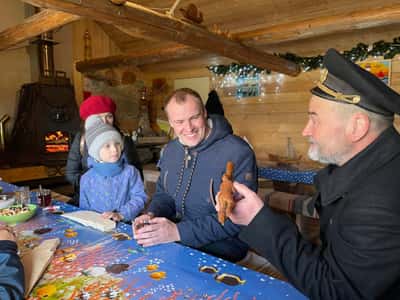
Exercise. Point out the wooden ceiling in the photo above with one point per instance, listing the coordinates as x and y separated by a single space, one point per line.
304 27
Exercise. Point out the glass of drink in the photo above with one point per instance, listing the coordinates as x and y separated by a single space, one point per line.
44 197
22 195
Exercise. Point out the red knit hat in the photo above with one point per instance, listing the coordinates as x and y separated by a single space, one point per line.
96 105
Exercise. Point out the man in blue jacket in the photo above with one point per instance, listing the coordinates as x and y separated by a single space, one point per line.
191 169
11 269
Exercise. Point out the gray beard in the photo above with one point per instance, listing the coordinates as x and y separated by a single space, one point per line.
315 156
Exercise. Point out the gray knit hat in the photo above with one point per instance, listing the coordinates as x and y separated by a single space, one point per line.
97 133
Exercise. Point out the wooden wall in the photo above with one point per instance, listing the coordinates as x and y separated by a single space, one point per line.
268 122
15 64
101 45
126 96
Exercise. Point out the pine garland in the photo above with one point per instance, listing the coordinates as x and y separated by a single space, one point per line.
360 52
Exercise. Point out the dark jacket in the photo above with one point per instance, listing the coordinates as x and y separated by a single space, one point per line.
359 208
77 163
12 284
194 174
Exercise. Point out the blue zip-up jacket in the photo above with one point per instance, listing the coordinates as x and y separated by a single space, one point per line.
77 163
190 178
11 272
123 193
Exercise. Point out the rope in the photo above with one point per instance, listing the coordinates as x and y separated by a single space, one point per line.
180 179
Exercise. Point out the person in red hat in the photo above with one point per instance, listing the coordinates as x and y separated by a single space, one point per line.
102 106
105 108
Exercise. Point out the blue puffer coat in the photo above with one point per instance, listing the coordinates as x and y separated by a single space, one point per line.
123 193
190 178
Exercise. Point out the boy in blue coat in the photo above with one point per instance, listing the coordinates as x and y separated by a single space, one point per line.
111 186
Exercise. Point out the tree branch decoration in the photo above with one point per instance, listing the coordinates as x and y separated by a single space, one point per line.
360 52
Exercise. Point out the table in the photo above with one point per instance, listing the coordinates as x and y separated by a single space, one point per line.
286 175
94 265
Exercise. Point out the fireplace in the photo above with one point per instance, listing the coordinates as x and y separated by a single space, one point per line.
47 118
56 142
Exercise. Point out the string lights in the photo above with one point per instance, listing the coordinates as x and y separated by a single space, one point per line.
360 52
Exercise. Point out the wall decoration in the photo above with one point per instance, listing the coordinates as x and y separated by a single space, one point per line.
239 87
380 68
247 87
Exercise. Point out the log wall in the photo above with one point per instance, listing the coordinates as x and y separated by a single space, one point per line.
268 122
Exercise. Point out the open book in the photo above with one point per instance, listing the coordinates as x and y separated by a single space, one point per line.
91 219
36 260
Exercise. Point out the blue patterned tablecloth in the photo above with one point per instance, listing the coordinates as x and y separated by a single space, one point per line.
7 187
90 264
286 175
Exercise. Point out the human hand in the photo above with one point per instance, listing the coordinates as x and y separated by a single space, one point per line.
142 220
114 216
6 233
155 231
247 205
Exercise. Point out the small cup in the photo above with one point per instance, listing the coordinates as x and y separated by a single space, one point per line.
44 197
22 195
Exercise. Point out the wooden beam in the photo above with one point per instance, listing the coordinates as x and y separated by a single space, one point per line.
135 32
138 58
168 28
293 31
33 26
324 25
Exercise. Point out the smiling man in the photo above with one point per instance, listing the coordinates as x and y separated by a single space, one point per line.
191 169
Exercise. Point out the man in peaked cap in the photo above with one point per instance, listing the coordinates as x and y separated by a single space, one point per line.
350 128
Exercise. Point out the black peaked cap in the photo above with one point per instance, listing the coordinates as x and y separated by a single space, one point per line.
345 81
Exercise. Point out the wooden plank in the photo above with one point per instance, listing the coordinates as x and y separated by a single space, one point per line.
395 66
340 41
33 26
138 58
23 173
101 44
278 98
270 137
271 117
256 109
325 24
169 28
249 15
287 130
